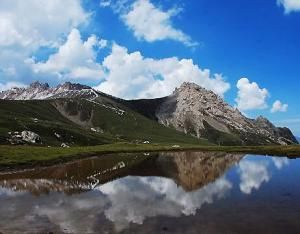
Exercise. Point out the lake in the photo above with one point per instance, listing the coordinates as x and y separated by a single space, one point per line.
184 192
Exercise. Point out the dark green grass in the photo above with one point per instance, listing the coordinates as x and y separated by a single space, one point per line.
20 115
130 127
18 156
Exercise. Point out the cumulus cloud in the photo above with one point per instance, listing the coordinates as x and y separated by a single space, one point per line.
33 23
130 75
75 59
148 22
9 85
250 95
253 174
289 5
105 3
279 107
25 26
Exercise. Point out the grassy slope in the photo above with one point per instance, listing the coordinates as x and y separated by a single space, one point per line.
15 156
19 116
134 126
118 129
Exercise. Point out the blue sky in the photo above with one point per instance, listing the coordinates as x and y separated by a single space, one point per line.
145 48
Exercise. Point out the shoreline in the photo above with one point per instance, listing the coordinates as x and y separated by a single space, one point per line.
29 157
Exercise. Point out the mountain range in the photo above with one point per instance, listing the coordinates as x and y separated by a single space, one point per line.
190 170
75 114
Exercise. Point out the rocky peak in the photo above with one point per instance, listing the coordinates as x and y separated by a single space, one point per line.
187 87
73 86
200 112
262 119
190 85
264 122
197 93
38 85
38 90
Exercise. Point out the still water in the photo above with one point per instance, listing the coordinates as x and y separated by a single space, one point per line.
186 192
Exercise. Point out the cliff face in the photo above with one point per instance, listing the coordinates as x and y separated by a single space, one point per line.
203 114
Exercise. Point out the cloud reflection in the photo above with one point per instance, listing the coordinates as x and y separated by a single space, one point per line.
252 175
155 196
280 162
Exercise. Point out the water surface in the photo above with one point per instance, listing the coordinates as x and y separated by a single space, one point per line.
186 192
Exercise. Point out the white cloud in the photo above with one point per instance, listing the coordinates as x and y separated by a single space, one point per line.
149 22
289 5
250 95
279 107
105 3
130 75
33 23
25 26
253 174
9 85
75 59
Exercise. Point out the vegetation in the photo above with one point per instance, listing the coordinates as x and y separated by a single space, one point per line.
98 127
18 156
78 118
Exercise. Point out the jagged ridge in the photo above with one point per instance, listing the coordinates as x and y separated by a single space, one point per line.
190 109
39 91
200 112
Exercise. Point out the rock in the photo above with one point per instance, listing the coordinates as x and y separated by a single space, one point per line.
64 145
30 137
58 136
35 120
24 137
175 146
38 85
97 129
72 86
202 113
38 90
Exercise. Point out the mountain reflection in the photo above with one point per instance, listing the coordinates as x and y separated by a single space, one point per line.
190 170
125 192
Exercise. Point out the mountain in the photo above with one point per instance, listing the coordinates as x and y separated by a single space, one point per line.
190 170
39 91
73 111
76 115
194 110
193 170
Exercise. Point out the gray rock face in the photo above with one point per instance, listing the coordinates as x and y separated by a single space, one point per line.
197 111
30 137
24 137
41 91
200 112
190 109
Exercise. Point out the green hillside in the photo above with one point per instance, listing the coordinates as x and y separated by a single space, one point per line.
79 122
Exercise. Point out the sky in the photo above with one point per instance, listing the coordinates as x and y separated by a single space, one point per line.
245 51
